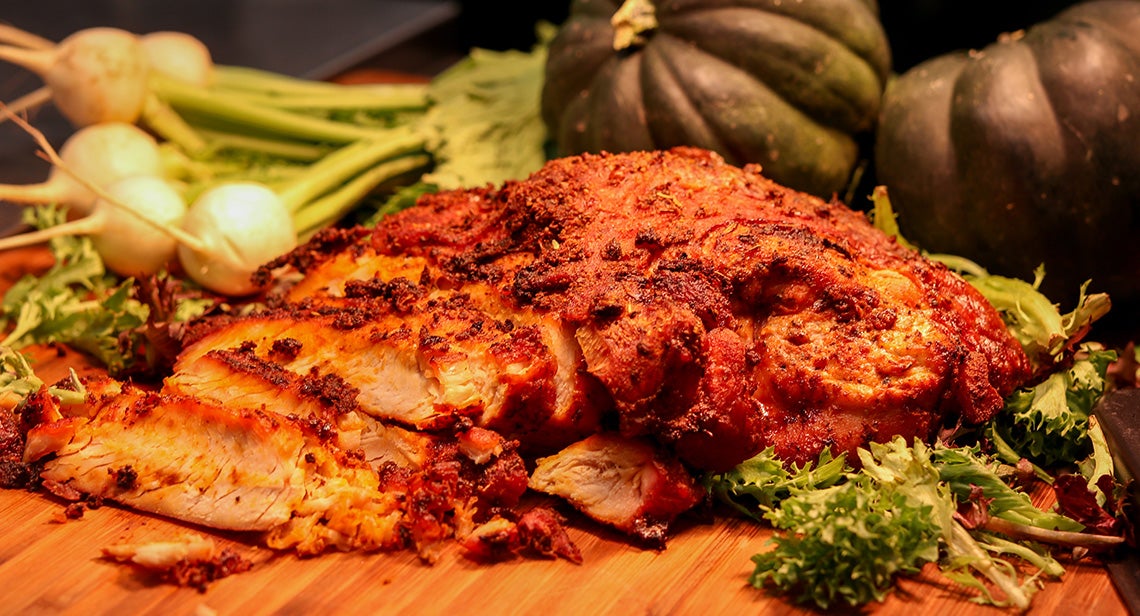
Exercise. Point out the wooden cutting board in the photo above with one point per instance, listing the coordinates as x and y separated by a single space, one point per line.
49 566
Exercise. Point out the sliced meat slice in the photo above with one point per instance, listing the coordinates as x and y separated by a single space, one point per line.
227 467
627 483
238 377
443 358
221 467
387 377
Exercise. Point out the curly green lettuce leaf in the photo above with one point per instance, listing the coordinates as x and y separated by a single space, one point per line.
848 542
76 302
758 484
1099 463
969 558
1048 422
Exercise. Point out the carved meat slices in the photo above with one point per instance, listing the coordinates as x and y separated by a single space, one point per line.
626 317
630 484
442 357
292 478
718 312
221 467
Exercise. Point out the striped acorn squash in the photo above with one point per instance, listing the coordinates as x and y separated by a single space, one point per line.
1026 152
788 84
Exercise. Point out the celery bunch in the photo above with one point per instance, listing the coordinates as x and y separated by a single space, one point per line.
328 147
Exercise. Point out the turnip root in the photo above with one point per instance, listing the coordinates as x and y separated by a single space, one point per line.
240 226
121 226
230 231
11 35
102 154
180 56
31 100
95 75
129 246
175 54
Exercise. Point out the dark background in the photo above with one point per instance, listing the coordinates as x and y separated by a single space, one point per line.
917 29
921 29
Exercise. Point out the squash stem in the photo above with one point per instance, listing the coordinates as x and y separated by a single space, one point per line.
632 23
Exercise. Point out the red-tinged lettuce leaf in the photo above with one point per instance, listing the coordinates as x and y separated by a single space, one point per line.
1077 501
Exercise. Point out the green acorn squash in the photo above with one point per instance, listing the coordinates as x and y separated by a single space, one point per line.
786 84
1026 152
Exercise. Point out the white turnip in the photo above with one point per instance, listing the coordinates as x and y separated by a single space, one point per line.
179 55
229 232
122 226
101 154
176 54
95 75
129 245
239 226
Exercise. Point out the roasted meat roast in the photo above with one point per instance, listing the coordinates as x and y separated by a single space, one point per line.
602 331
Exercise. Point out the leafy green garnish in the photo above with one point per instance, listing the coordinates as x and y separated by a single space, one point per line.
846 539
1036 323
18 381
884 218
1048 422
76 302
484 124
761 482
1099 463
846 543
966 470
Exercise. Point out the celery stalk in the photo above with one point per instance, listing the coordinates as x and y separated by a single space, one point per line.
290 150
391 98
161 119
186 98
328 209
241 78
335 168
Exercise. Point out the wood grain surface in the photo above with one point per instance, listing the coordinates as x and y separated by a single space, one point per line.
51 566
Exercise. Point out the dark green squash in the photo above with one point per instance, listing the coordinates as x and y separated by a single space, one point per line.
1026 152
784 83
